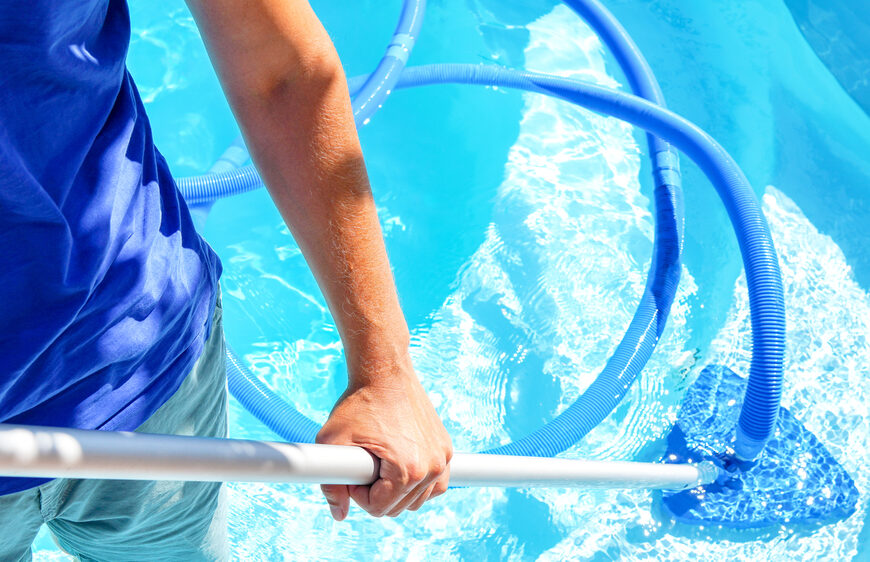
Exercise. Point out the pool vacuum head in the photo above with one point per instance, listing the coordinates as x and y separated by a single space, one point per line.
795 480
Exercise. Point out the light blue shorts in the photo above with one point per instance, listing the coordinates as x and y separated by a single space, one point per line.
116 520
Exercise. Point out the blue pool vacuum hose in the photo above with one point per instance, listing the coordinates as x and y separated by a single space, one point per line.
764 282
761 404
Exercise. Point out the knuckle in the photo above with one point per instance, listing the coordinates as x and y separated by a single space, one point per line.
415 474
448 454
401 478
440 488
438 467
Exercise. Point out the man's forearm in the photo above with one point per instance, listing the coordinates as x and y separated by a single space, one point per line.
297 121
286 87
313 167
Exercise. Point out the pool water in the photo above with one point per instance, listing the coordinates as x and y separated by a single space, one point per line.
520 230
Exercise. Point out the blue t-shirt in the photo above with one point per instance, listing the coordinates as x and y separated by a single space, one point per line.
106 289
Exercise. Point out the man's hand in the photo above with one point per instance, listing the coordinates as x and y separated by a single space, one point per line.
393 419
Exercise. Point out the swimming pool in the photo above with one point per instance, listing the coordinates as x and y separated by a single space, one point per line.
470 182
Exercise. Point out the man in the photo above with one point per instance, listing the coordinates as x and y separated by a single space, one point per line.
110 316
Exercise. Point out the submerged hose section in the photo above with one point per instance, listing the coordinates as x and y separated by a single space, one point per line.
208 187
761 405
663 278
265 405
633 64
767 309
381 82
668 194
367 100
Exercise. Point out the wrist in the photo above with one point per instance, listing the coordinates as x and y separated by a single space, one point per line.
379 360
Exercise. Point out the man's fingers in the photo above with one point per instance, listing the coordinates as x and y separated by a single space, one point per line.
395 489
385 494
434 485
381 498
421 491
377 498
337 496
441 484
421 498
434 490
361 495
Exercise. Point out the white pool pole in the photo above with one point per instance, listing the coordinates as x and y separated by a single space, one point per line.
47 452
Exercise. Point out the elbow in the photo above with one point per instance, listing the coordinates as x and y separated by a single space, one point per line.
309 74
321 64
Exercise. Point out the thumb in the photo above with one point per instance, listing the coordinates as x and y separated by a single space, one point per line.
337 496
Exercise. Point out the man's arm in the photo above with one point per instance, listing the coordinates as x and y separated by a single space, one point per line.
287 89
